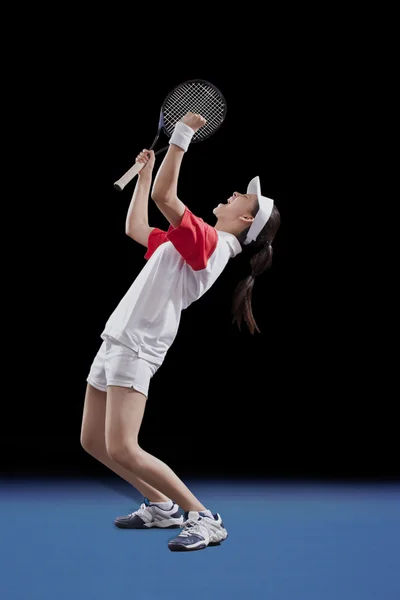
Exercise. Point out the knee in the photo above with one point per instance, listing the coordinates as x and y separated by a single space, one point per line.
91 444
125 453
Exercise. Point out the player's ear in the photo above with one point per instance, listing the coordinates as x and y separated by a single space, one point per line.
246 219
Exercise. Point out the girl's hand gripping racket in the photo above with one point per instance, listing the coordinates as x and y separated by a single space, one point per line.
197 96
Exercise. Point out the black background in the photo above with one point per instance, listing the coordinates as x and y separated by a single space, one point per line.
293 401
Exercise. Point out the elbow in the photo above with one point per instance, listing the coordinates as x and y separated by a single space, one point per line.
160 197
158 194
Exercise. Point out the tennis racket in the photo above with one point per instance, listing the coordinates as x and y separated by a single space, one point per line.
197 96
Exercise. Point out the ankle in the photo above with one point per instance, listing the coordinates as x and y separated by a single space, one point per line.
158 499
196 507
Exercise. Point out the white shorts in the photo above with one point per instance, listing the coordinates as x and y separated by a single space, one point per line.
116 364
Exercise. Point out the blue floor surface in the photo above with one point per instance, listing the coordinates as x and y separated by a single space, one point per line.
286 542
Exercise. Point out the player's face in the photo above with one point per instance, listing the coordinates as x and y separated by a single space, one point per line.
236 206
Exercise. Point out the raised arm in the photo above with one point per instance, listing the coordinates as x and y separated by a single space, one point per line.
164 192
137 220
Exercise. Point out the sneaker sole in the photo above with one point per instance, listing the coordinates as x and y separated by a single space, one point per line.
159 525
182 548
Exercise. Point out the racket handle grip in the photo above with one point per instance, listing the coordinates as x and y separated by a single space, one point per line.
128 176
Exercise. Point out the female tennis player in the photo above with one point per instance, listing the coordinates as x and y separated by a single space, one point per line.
182 264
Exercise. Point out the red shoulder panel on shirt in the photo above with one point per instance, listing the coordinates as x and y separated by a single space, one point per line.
156 238
194 239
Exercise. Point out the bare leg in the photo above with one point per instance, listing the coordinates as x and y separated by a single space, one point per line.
93 441
124 414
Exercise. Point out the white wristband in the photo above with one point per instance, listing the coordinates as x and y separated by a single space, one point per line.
182 135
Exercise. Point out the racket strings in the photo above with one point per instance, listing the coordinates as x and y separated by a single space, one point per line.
197 98
209 106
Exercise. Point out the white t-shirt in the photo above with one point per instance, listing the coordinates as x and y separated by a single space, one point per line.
182 265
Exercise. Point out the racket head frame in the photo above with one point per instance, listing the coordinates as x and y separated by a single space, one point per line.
161 124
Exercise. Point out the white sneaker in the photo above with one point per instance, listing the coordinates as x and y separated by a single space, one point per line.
151 515
199 531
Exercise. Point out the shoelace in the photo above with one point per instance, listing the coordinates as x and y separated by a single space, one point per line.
191 526
140 510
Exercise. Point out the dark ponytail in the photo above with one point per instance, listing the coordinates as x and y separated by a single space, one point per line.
260 253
